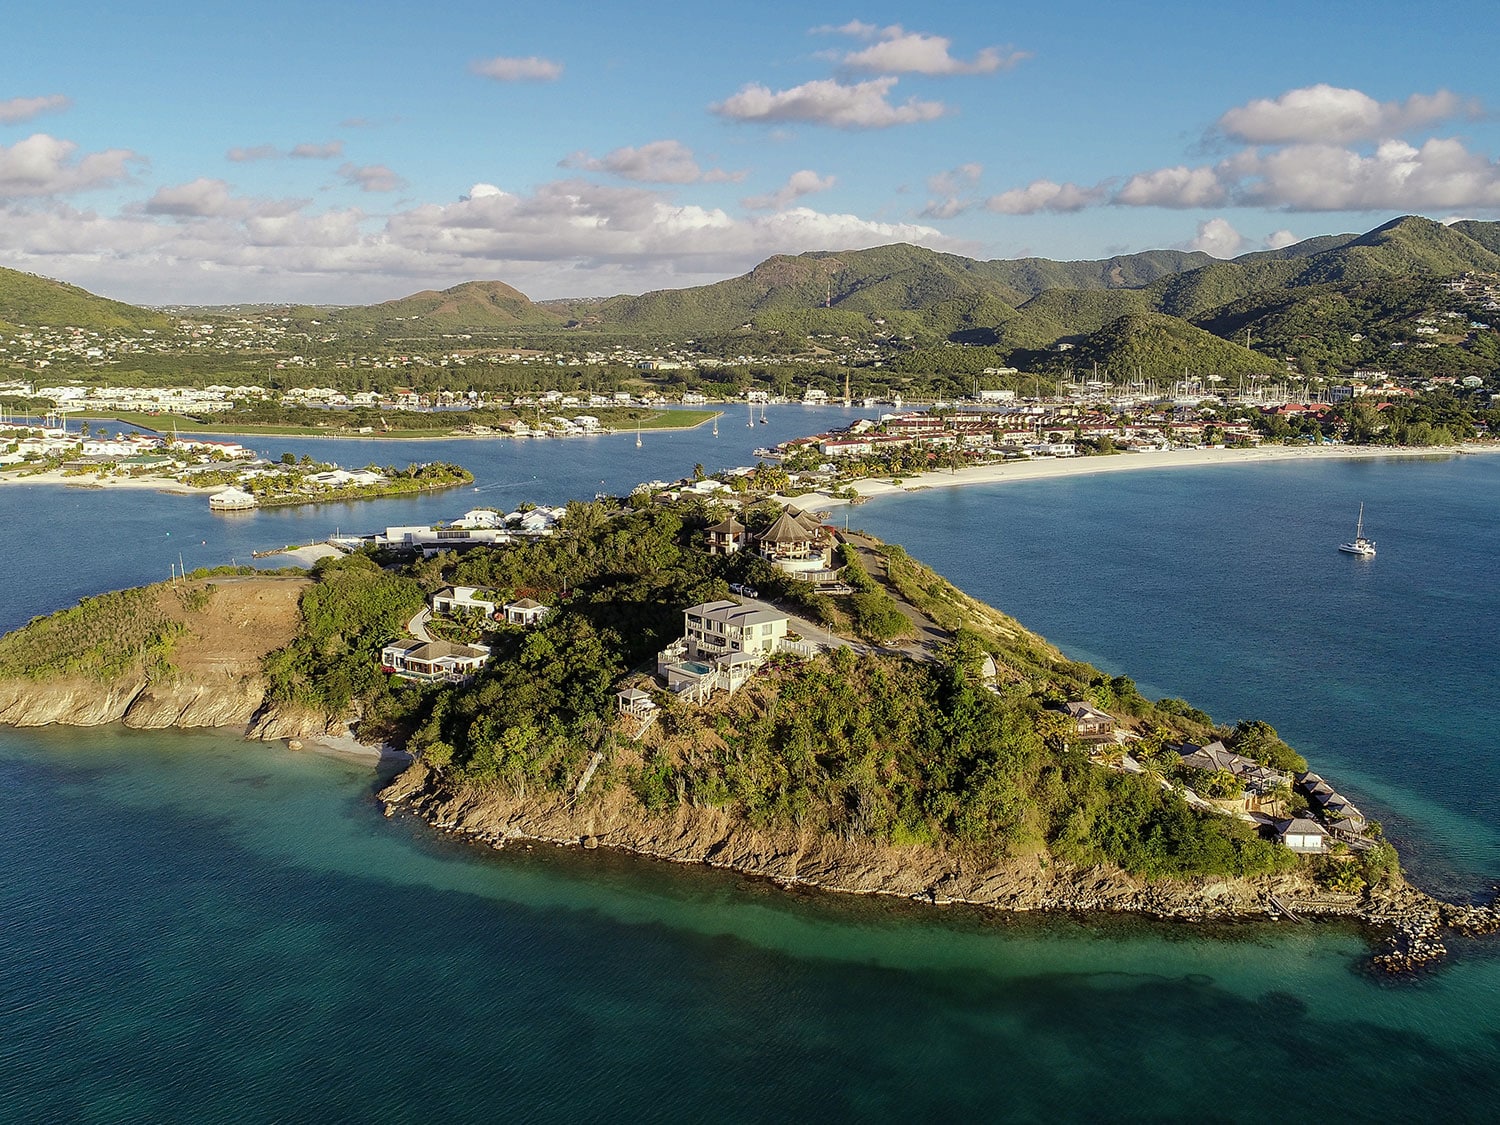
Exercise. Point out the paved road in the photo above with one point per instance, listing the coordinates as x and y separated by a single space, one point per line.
417 626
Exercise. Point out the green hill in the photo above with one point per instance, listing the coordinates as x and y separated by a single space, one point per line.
1156 346
475 306
900 290
1486 234
27 300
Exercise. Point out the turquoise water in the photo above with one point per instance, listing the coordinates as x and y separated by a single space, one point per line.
209 930
193 928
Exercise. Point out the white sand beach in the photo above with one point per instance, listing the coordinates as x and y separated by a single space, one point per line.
1045 468
106 480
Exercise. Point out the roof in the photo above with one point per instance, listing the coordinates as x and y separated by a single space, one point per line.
1081 710
439 650
788 529
633 695
731 526
1300 826
525 603
732 613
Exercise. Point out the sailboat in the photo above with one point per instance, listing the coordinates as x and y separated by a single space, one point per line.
1364 548
762 414
716 425
637 433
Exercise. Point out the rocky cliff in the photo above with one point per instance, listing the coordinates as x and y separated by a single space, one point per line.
210 676
1412 921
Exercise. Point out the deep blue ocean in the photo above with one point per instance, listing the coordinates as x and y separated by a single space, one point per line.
195 928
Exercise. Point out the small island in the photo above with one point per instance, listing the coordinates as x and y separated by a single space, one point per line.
749 689
235 477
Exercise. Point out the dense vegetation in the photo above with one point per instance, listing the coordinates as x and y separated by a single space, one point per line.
874 747
100 638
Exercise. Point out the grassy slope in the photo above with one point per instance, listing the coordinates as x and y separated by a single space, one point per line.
26 299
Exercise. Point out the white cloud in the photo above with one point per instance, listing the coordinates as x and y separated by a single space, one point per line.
1173 187
1278 239
1336 115
370 177
1045 195
862 105
16 110
798 184
243 154
201 242
1441 174
327 150
659 162
45 165
898 51
1217 237
951 189
529 69
955 180
206 198
198 199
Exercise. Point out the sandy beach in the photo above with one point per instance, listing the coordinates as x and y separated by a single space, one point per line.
107 480
1046 468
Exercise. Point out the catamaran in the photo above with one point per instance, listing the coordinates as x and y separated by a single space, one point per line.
1364 548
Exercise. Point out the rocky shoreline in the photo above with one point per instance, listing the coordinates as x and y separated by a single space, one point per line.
1410 924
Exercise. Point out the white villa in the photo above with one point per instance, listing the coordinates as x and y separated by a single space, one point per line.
525 612
721 646
455 600
433 661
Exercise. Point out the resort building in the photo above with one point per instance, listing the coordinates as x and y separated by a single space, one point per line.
455 600
1216 757
797 544
231 500
716 629
433 661
1302 835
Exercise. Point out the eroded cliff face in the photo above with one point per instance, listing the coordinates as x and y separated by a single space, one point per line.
213 678
182 701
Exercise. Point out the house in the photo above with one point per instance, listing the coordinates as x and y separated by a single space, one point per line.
726 538
525 612
722 645
1089 722
1302 835
716 629
455 600
433 661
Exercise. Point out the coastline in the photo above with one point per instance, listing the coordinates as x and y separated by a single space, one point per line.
1051 468
1410 922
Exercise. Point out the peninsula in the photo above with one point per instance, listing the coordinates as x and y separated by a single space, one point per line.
754 691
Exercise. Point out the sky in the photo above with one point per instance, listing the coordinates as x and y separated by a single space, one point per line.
349 153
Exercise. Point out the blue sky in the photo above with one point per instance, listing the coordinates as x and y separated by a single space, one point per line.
359 152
